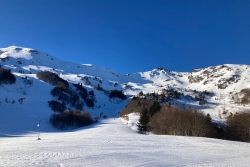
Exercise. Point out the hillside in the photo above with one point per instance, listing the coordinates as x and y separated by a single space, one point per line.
24 103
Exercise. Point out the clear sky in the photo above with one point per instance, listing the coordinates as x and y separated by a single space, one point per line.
131 35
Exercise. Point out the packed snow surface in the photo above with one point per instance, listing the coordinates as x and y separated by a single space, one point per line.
112 143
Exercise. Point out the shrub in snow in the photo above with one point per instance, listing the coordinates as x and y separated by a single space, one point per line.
72 118
117 94
91 93
83 119
6 77
62 85
90 102
51 78
21 100
56 106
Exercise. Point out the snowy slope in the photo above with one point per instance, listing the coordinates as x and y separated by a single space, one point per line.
112 143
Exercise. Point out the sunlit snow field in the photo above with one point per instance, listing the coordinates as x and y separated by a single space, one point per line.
112 143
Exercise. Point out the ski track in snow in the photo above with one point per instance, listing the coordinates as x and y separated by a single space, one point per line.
112 143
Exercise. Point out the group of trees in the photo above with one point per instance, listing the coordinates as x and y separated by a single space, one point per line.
63 119
88 97
6 77
72 118
56 106
75 98
182 122
238 126
146 114
117 94
66 96
171 120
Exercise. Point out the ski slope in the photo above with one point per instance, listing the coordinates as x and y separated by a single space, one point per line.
113 143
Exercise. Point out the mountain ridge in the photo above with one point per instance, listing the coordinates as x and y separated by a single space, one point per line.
24 63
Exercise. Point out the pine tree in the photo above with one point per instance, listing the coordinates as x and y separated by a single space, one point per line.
155 108
140 93
208 118
143 121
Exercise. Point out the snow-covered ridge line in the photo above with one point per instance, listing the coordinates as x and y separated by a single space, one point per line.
218 80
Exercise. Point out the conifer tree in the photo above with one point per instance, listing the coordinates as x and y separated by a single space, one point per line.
143 121
155 108
208 118
140 93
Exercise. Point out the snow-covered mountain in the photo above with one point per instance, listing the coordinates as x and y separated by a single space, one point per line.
24 103
111 142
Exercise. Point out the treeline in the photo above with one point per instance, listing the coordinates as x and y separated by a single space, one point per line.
72 118
238 126
182 122
170 120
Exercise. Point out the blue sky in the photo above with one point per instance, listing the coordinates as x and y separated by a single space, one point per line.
131 35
